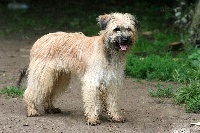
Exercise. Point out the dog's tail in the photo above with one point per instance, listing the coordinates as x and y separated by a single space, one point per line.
23 74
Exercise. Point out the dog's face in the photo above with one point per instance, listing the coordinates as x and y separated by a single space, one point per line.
120 30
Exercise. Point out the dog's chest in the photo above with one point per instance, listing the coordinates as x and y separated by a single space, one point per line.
107 73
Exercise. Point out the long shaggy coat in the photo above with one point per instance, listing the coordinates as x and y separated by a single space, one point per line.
98 61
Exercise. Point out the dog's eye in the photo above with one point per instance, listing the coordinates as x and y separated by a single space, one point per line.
117 29
129 29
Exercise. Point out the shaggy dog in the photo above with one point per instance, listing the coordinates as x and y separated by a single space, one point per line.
98 61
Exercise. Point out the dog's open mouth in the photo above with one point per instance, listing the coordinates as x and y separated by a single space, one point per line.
123 47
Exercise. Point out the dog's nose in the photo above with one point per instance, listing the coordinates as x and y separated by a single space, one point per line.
125 39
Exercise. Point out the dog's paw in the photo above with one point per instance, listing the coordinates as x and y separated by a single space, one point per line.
93 121
52 111
117 119
56 110
33 113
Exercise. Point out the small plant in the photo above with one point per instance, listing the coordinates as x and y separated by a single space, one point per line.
185 74
190 96
13 91
194 59
189 70
193 104
161 91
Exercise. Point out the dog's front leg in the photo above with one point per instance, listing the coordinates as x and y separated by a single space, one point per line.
112 105
91 101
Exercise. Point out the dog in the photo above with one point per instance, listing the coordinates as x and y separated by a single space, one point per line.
98 61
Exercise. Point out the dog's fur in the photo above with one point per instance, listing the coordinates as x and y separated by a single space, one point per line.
99 61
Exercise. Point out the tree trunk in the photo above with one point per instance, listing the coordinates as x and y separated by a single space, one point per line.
194 31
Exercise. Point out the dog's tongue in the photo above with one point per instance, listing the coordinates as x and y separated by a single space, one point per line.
123 47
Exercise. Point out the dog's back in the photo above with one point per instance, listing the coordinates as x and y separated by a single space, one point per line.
61 50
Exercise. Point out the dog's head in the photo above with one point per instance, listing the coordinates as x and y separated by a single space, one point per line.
120 30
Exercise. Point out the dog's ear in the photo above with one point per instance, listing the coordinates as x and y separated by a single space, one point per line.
137 23
103 20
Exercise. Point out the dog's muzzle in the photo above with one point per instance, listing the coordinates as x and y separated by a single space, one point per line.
123 43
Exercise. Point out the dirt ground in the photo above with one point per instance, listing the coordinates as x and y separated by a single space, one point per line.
144 114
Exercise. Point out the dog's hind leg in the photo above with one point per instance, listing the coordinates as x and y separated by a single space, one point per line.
30 103
40 89
30 95
61 82
49 107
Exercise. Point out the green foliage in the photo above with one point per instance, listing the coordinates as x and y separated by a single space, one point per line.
193 105
190 96
194 59
185 93
190 71
156 41
162 91
12 91
182 70
152 67
185 74
61 15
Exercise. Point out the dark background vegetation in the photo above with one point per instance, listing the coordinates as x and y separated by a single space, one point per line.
80 15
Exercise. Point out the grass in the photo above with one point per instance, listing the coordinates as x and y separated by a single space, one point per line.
152 67
188 75
195 59
183 69
162 91
190 96
185 93
13 91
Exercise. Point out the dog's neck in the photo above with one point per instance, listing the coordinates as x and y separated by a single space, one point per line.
112 55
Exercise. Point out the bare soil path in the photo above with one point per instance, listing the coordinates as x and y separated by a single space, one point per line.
144 113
